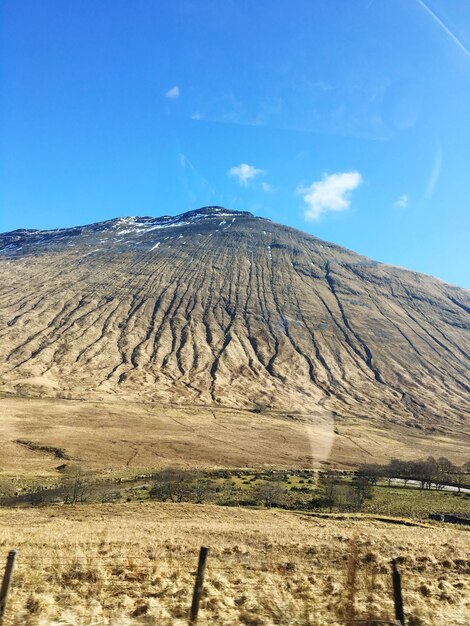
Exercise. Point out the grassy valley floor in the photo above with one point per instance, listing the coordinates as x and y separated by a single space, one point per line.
121 436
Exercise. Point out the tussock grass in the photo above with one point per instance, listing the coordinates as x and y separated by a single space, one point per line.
135 563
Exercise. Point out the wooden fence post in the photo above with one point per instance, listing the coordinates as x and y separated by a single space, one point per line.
397 597
6 583
201 567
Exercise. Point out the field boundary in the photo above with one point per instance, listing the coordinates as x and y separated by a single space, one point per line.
198 590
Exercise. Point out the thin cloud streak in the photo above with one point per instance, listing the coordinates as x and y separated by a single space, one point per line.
173 93
435 173
454 38
380 133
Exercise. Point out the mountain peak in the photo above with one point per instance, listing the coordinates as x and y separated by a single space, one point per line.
119 232
213 211
216 306
203 212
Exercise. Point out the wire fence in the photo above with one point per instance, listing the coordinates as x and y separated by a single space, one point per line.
351 591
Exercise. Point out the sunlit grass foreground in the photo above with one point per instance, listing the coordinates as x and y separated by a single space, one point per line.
135 564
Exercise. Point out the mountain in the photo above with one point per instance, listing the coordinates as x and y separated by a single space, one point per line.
221 308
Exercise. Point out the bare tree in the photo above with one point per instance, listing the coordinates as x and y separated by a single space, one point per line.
425 471
76 484
459 477
371 472
202 489
172 484
270 493
399 469
329 481
444 471
362 490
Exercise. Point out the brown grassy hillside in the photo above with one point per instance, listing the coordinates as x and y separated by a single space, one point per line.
222 308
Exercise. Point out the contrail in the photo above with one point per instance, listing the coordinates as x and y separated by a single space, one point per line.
435 173
444 27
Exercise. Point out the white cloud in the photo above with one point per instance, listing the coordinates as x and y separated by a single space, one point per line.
266 187
332 193
402 202
245 173
173 93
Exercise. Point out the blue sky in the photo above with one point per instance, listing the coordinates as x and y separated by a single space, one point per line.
347 119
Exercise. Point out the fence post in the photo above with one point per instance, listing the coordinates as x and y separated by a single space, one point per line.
6 583
397 597
201 567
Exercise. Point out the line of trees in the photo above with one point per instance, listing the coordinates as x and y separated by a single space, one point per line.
329 490
176 485
333 492
430 473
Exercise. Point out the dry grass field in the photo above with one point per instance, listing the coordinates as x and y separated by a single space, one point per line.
135 564
117 435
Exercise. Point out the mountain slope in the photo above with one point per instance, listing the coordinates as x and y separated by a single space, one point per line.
218 307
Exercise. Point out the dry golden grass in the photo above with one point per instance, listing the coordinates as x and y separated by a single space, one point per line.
135 564
119 435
